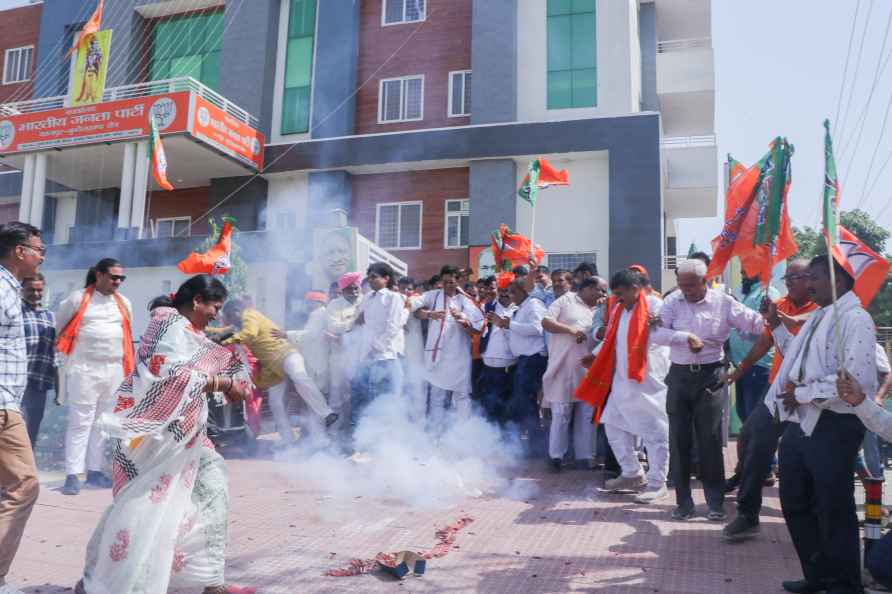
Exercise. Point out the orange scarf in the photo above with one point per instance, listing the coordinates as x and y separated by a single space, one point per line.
68 336
595 386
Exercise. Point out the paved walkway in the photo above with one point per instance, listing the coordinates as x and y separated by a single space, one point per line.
566 538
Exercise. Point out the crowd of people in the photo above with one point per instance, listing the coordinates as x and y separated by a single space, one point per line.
584 372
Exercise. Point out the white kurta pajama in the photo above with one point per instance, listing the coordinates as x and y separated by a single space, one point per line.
93 371
447 354
639 410
563 376
344 357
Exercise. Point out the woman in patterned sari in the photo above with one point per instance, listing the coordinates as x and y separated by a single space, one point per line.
167 524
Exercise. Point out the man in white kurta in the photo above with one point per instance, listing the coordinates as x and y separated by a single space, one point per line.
312 342
345 339
447 354
637 409
93 371
819 445
566 322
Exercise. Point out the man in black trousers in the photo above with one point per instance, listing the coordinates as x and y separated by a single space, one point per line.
819 445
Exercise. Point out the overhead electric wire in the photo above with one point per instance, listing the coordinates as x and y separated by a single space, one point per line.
842 128
845 71
881 68
337 108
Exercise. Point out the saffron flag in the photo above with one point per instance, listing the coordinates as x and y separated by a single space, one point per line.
159 158
541 175
869 269
513 249
216 261
90 28
757 225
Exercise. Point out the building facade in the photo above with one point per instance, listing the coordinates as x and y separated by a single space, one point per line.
417 118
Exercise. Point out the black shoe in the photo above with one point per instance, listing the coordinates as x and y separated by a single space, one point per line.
682 513
554 464
72 485
331 420
740 529
97 480
770 480
732 483
801 587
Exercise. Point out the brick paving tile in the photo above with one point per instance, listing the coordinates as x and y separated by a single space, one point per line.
567 537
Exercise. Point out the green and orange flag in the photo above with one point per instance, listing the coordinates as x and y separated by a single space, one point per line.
757 225
541 175
159 158
869 269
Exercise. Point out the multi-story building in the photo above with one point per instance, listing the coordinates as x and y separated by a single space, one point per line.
415 117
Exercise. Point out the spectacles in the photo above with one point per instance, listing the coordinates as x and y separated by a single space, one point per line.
39 249
794 277
118 277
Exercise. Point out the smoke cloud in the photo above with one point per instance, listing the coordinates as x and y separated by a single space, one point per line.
399 460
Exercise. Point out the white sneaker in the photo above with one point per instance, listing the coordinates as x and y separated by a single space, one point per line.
625 483
652 494
9 589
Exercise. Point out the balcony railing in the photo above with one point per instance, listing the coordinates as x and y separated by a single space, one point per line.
689 141
681 45
145 89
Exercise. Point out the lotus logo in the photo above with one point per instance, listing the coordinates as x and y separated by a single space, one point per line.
255 146
164 111
7 134
204 117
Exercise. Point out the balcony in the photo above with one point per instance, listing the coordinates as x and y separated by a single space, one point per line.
686 86
690 166
146 89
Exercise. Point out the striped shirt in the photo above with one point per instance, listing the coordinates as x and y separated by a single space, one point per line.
13 351
40 338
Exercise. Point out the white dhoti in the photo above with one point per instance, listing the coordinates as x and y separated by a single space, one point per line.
90 391
639 410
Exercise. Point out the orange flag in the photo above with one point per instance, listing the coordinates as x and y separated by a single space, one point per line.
91 27
215 261
513 249
869 269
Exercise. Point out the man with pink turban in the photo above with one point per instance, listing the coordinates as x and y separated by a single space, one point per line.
345 342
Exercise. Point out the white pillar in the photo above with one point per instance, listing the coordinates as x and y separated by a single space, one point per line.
27 188
140 185
39 192
126 201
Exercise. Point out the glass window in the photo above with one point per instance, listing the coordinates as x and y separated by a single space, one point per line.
458 217
299 67
399 225
188 46
401 99
572 55
17 64
403 11
173 227
460 93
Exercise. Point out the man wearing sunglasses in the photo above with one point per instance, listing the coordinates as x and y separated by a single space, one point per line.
21 253
93 326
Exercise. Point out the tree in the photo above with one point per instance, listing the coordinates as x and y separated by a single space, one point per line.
811 243
236 280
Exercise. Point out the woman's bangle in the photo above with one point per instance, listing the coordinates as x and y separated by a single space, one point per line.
231 384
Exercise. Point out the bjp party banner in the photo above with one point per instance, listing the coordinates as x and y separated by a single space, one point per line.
90 66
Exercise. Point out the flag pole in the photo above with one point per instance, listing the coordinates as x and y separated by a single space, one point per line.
840 352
